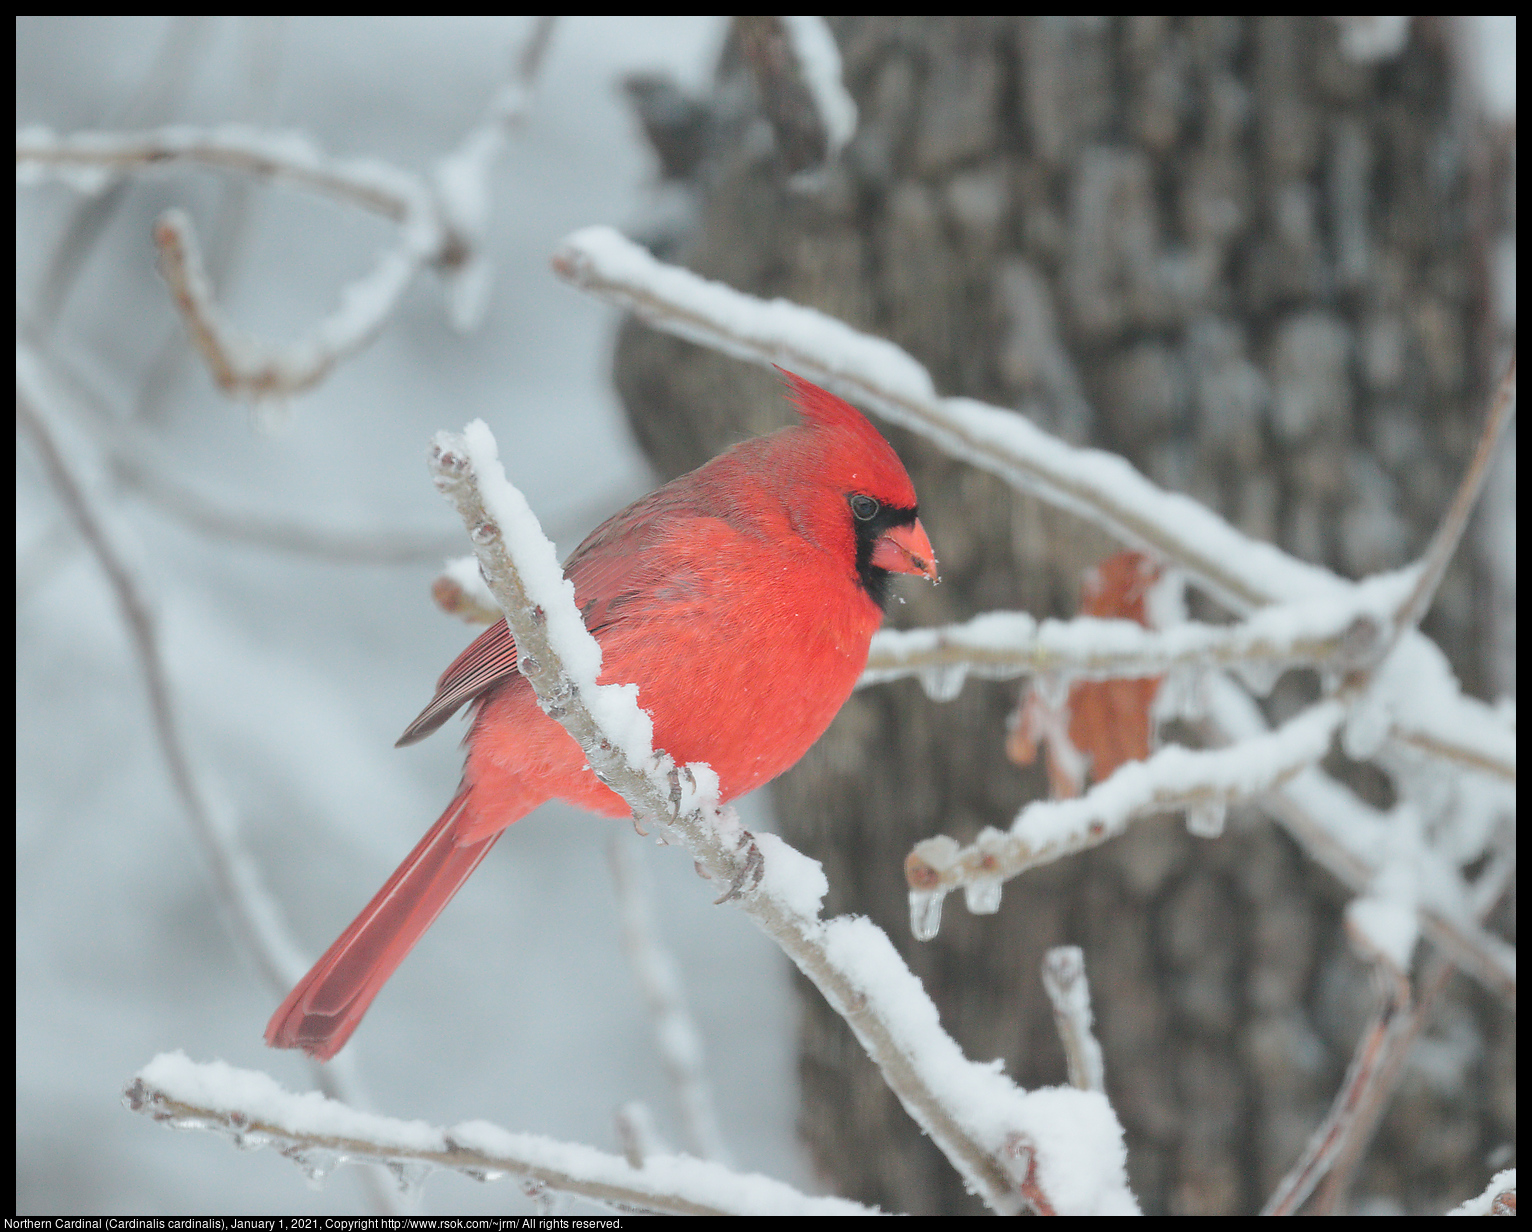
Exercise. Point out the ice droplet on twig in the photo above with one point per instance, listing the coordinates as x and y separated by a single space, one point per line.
1205 818
926 913
944 681
314 1162
409 1176
983 896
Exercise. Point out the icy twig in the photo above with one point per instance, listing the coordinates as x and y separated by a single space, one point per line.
461 182
244 367
253 911
1068 989
1444 543
1366 1063
134 466
440 223
970 1111
1370 1106
819 64
289 157
1241 572
1349 839
318 1134
1173 778
1333 632
675 1031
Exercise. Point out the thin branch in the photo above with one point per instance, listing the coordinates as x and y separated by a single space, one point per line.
1444 543
288 157
1331 633
970 1111
1064 979
169 496
1345 837
1326 1142
1374 1099
675 1031
1173 778
251 909
245 367
317 1134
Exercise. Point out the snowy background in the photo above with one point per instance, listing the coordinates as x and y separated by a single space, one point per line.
295 676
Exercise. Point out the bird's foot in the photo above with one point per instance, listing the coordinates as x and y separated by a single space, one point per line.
751 871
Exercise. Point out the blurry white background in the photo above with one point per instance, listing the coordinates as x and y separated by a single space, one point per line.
294 676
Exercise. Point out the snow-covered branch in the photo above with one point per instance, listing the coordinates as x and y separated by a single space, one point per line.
1069 990
1174 778
1336 632
242 365
1007 1143
1241 572
440 222
319 1134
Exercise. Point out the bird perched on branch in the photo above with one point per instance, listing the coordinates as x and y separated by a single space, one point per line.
740 598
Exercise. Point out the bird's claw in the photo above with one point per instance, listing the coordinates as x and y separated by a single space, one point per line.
753 868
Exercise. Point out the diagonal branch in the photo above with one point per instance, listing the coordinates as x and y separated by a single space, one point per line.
974 1114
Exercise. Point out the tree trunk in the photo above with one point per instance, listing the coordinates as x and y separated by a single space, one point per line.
1247 263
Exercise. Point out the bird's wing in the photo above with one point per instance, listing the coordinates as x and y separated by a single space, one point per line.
608 570
490 657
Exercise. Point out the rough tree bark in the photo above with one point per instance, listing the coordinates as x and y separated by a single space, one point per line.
1252 266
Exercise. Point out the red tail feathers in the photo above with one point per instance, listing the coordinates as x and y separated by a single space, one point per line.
320 1014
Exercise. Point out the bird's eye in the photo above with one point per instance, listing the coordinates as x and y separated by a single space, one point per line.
864 507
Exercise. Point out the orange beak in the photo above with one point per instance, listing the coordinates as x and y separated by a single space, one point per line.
905 549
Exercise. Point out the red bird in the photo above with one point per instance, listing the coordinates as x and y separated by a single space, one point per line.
740 598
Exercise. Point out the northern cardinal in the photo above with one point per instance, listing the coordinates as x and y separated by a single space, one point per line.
740 598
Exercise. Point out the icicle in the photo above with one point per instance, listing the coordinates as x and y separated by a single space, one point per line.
944 681
409 1176
314 1162
926 913
243 1137
1205 818
482 1175
1366 727
983 896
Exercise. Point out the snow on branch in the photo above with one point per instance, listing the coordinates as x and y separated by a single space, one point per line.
1241 572
252 1110
1350 839
819 63
1060 1148
1336 632
1066 985
1207 780
441 222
